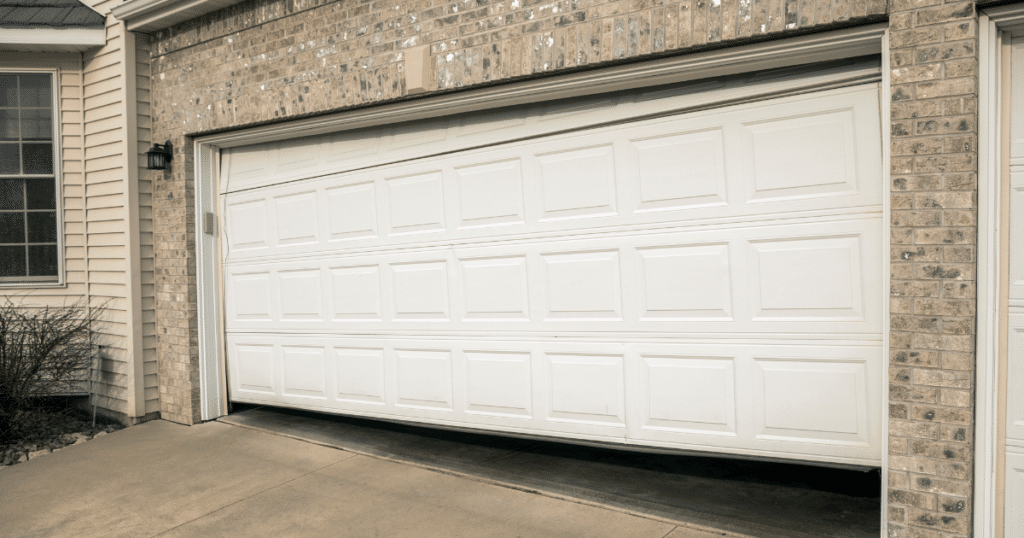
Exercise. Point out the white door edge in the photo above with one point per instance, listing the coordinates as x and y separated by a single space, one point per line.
212 379
886 106
994 24
986 351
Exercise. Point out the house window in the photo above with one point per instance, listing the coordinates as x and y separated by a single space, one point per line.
29 247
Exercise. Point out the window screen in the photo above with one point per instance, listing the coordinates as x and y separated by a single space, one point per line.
28 187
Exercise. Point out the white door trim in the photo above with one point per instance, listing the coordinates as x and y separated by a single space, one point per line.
987 341
212 379
993 24
885 102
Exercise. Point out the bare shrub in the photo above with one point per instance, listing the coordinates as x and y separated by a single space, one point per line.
44 351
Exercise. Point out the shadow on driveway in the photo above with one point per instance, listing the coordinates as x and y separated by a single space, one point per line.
742 496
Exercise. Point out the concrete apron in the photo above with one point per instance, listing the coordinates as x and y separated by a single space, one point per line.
724 497
216 479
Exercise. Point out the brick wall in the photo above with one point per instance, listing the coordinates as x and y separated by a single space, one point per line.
176 292
934 60
264 60
270 60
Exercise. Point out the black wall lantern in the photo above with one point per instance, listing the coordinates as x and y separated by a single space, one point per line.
159 156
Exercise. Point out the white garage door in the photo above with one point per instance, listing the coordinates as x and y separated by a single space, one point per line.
1014 426
706 280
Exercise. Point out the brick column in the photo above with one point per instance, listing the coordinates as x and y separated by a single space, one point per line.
934 61
176 289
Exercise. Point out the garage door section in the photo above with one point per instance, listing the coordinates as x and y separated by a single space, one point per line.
706 280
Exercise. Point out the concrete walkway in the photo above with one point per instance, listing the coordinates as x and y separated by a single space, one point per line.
216 479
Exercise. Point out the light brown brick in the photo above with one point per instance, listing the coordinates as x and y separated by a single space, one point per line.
918 146
953 505
942 378
898 479
915 37
917 183
945 51
910 393
942 486
916 73
942 451
944 13
943 522
915 499
944 88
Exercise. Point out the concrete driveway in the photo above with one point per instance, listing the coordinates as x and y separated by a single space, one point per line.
216 479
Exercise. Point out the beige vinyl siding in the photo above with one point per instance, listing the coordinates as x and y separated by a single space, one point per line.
106 208
117 215
72 183
106 217
147 275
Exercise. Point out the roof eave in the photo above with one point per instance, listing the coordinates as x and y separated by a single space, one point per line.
52 39
152 15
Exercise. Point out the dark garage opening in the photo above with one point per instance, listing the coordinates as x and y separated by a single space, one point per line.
753 498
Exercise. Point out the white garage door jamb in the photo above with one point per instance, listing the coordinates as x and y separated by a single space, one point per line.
997 26
886 109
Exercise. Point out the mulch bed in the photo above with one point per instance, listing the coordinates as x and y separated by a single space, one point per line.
39 432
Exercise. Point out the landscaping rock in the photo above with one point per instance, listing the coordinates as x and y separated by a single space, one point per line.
38 453
40 432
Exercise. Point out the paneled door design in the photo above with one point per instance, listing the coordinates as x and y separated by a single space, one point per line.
707 280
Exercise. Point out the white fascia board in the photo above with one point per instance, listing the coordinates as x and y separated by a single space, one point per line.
153 15
56 38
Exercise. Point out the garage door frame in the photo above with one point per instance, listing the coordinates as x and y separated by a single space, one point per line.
802 50
996 28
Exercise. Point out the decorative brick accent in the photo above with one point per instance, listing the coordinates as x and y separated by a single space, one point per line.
934 61
176 288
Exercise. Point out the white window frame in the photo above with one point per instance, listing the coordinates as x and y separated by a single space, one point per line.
57 178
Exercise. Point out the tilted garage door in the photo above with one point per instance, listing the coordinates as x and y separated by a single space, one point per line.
600 270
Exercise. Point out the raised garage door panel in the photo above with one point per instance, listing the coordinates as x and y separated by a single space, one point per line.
708 280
